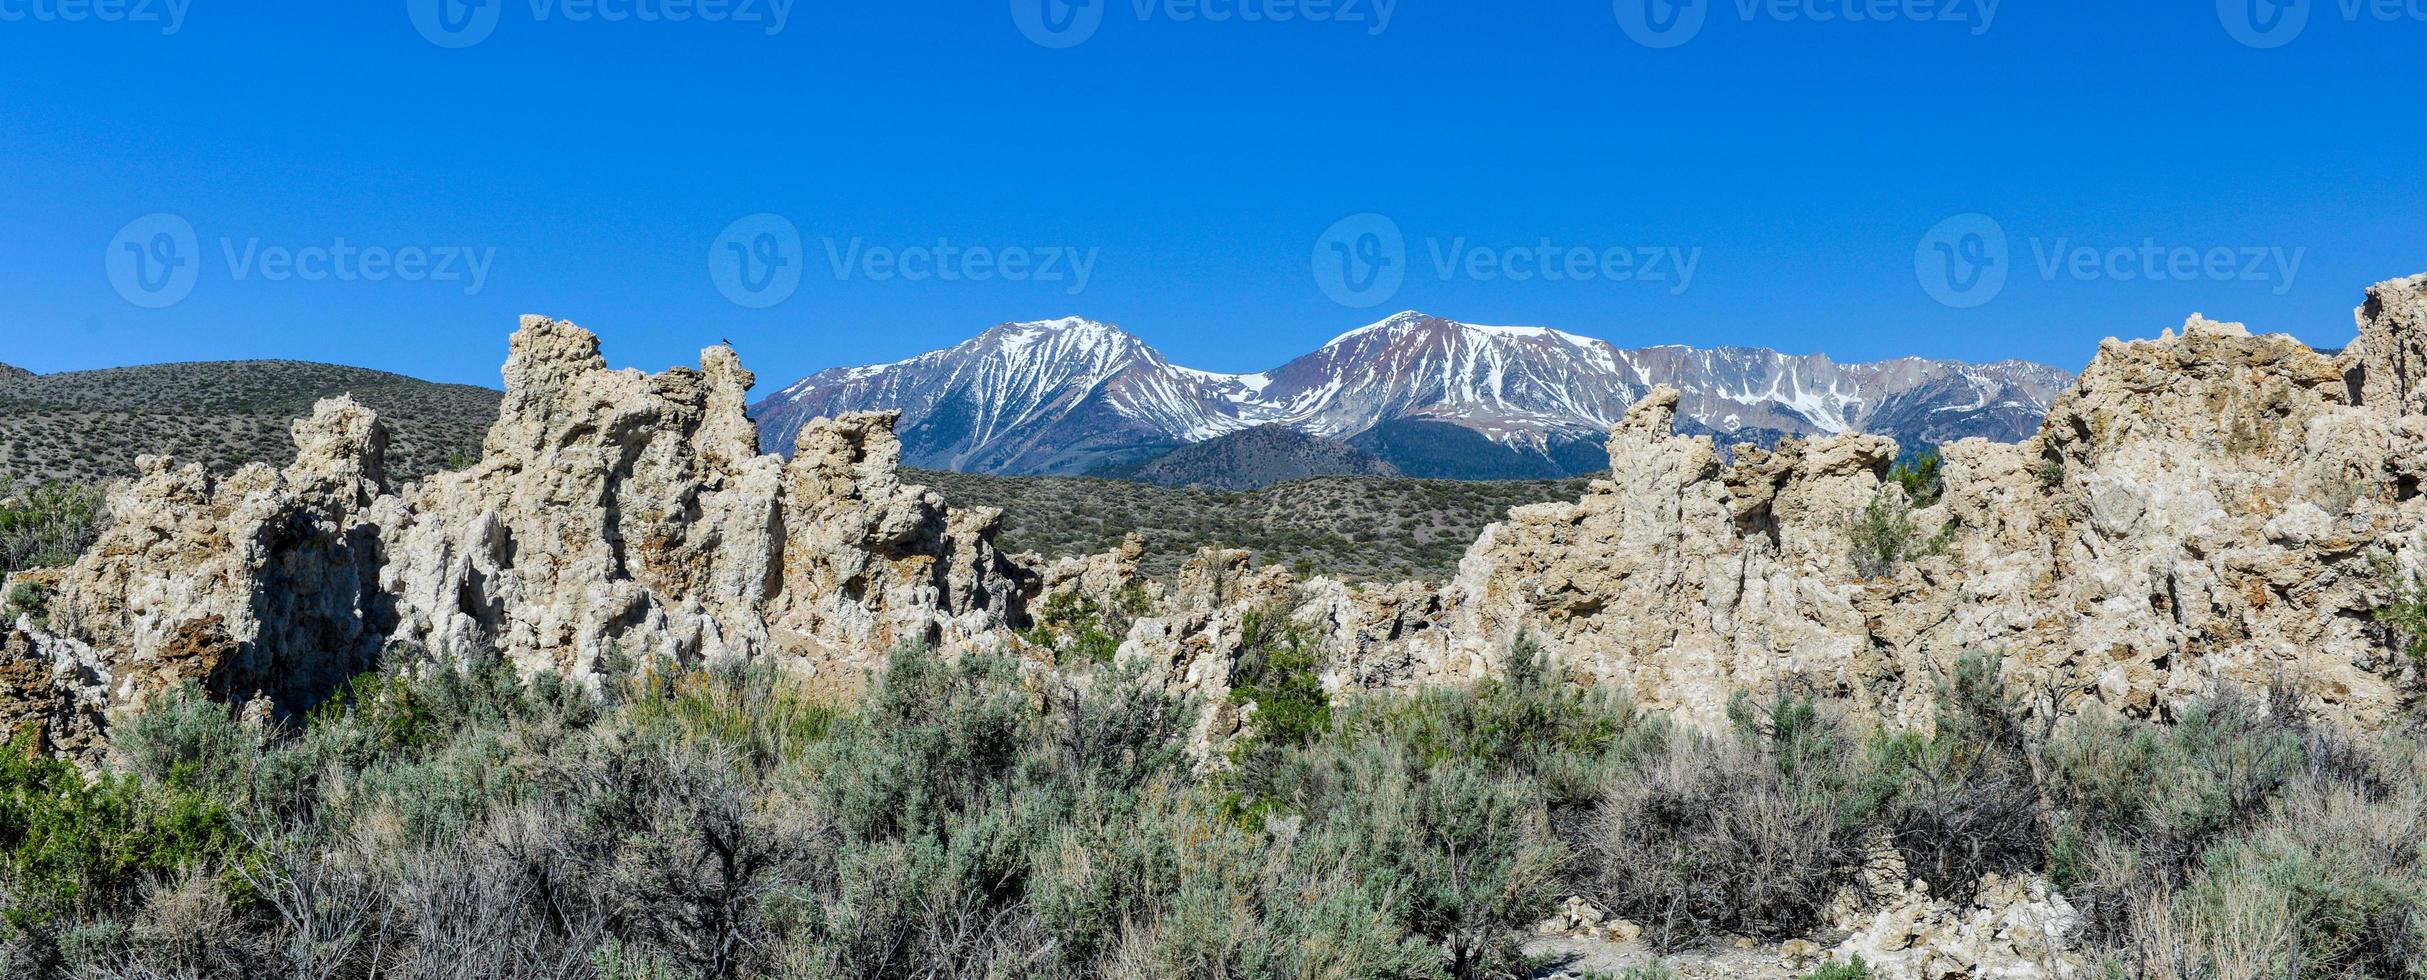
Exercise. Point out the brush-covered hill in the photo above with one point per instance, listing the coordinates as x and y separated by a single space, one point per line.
1252 458
88 426
1361 527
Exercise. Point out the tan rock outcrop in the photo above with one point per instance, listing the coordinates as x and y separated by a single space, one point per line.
264 583
2013 929
2202 510
620 511
2205 510
2388 364
611 511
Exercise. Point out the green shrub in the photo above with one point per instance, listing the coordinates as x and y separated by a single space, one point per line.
2405 615
71 845
1885 535
1277 673
28 599
1920 477
48 524
186 741
971 816
1081 628
758 710
1963 800
2050 473
1854 970
1747 833
2330 886
2170 789
1528 723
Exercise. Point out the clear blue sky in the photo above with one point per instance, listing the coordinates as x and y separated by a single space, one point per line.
595 164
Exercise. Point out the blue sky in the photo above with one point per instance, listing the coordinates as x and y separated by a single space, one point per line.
591 169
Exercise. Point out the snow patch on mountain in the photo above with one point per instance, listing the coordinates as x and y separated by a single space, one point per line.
1073 394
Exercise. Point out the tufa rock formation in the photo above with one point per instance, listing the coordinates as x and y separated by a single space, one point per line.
612 511
2201 510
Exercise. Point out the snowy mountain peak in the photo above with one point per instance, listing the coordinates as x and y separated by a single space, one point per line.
1427 393
1067 334
1415 323
1077 326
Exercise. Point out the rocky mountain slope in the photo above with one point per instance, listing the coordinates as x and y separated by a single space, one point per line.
1433 397
88 426
1252 458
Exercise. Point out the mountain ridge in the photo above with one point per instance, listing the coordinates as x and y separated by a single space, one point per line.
1073 395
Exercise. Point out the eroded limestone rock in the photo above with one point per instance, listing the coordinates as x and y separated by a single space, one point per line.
2202 510
260 584
612 511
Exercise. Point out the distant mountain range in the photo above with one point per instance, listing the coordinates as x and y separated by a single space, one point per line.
1429 397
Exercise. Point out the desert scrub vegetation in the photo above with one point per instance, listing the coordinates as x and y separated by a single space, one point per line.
969 817
1921 477
1073 625
962 818
88 426
2403 617
45 525
1381 528
1885 534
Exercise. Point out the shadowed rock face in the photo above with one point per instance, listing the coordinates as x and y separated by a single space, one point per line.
2199 511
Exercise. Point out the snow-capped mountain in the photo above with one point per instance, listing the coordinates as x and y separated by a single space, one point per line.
1053 396
1434 397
